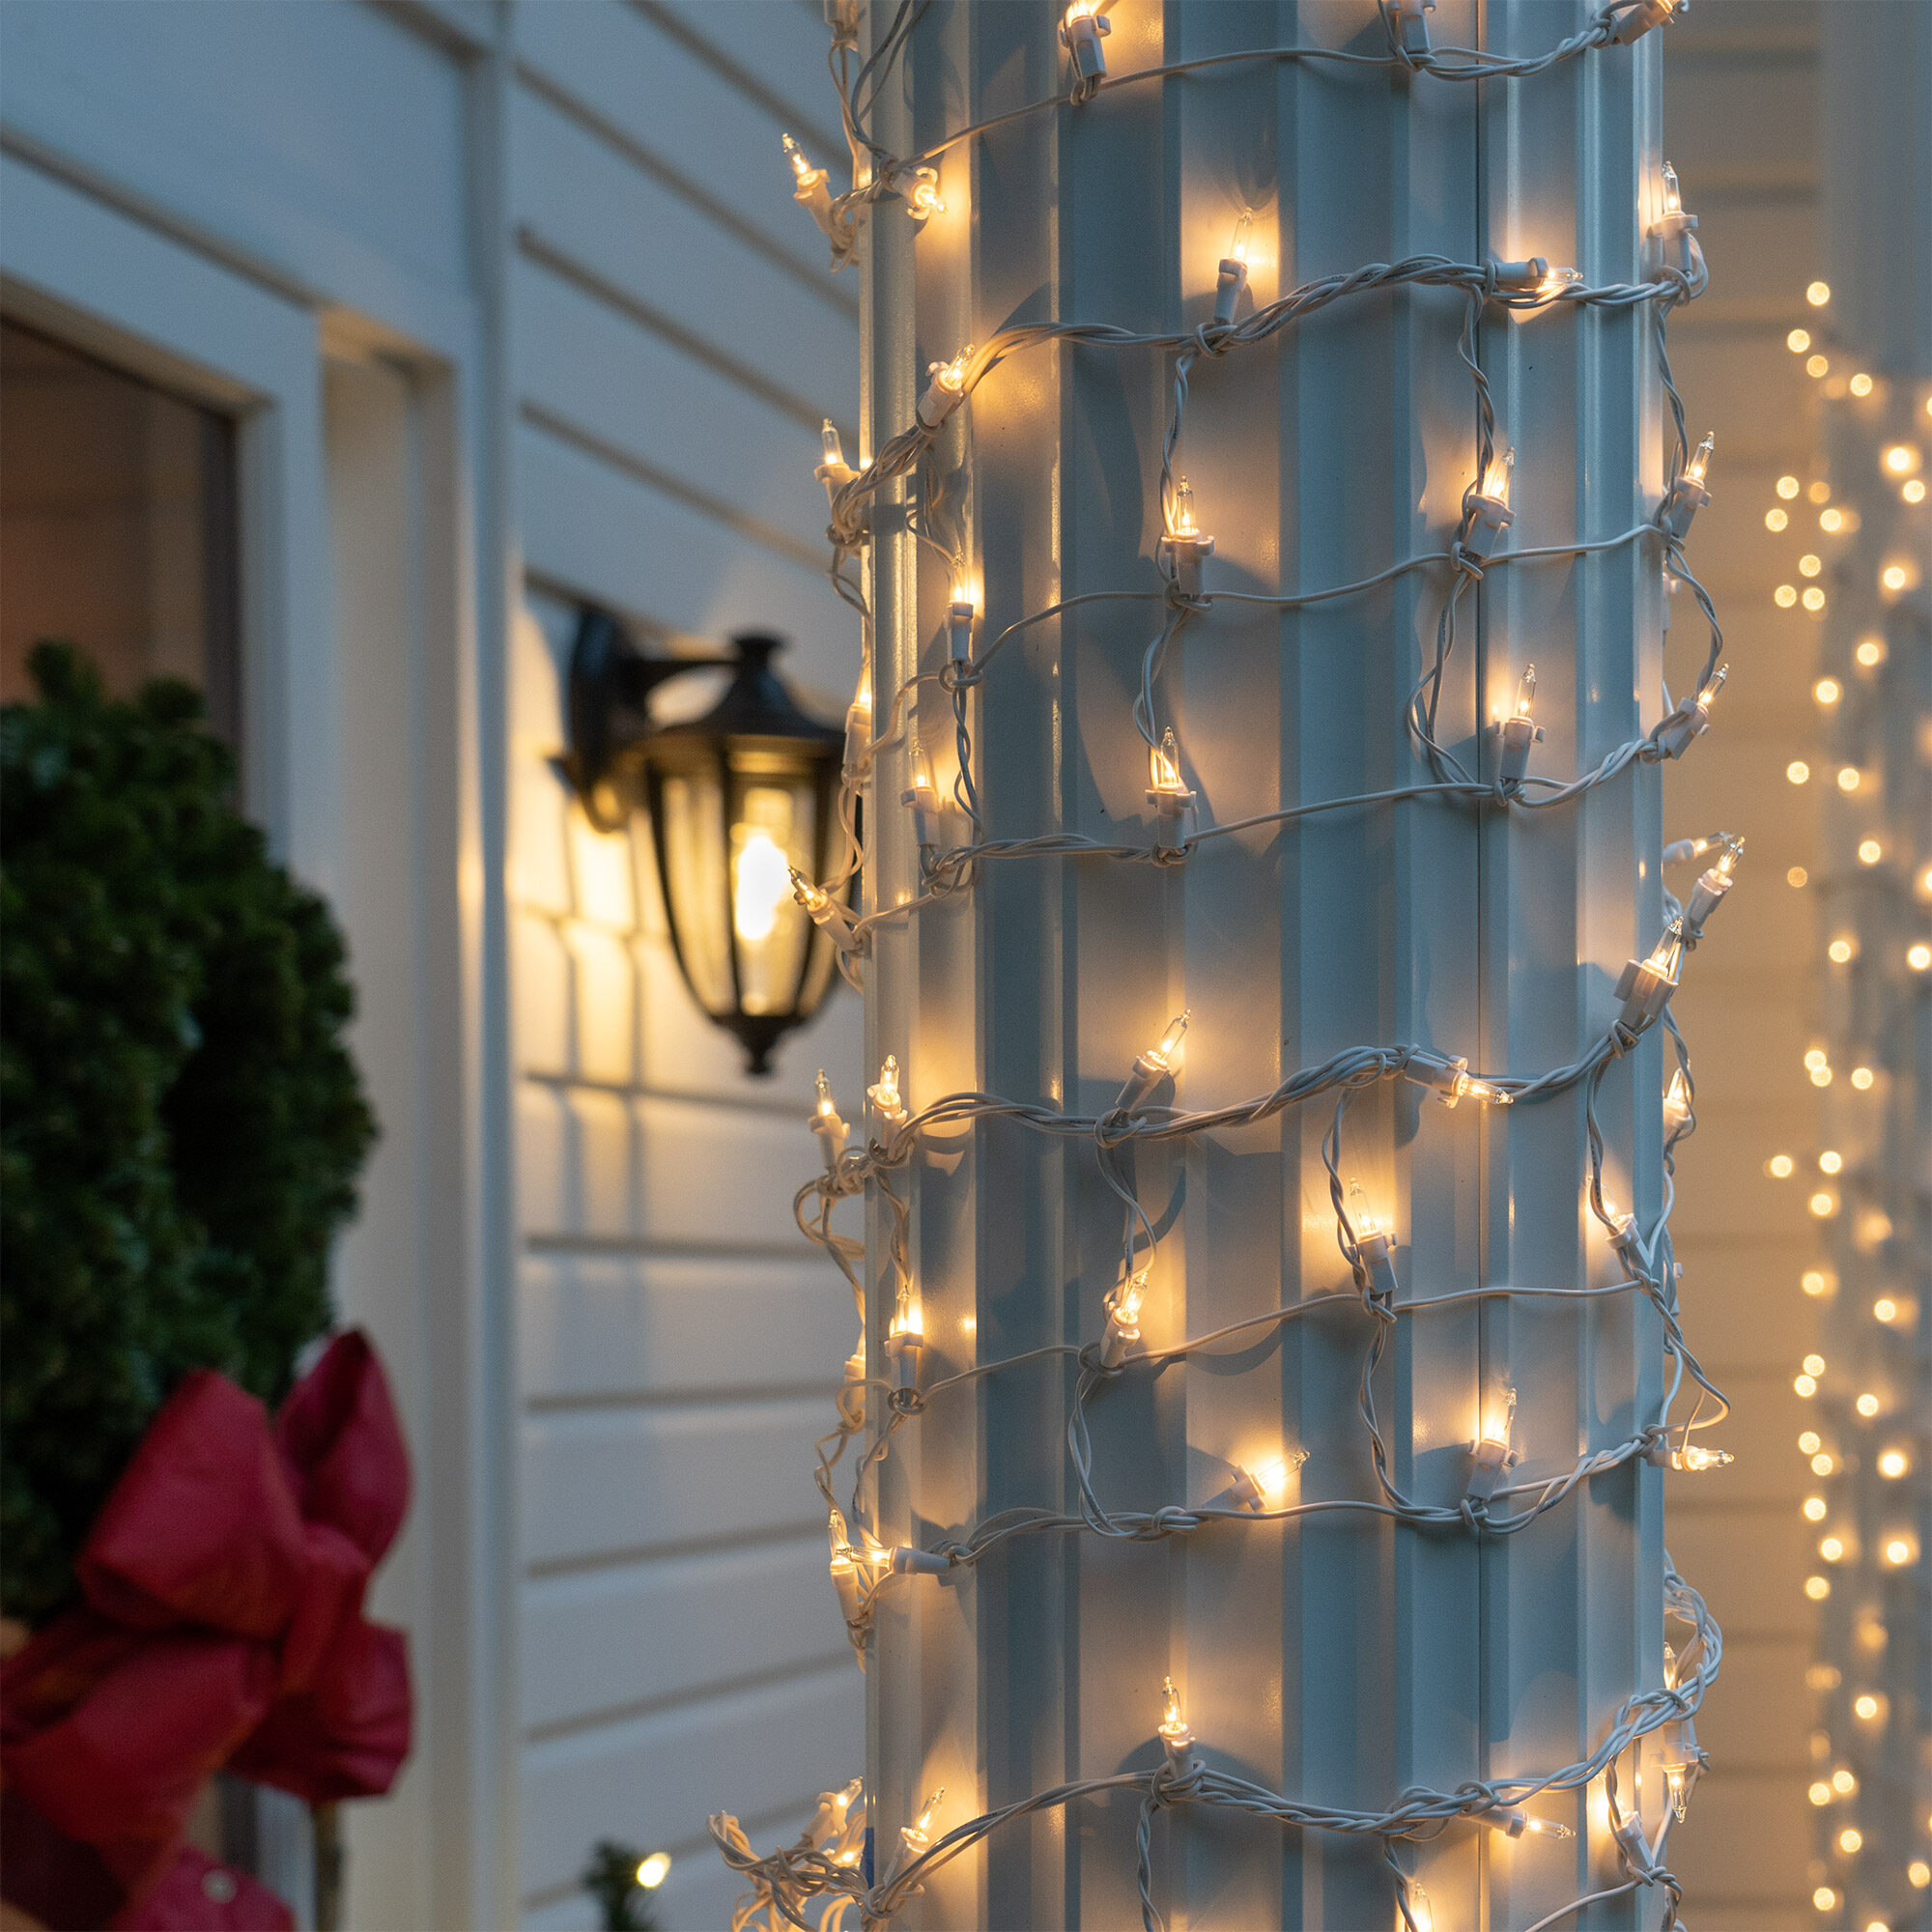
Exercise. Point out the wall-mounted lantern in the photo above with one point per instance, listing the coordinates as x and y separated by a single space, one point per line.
736 799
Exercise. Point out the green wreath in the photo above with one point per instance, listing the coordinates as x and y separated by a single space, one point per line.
181 1127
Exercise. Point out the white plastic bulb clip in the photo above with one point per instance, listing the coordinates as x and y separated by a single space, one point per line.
832 1131
1080 33
1646 986
1184 544
1485 510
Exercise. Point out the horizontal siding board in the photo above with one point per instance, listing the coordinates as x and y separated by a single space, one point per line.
325 141
593 206
682 111
629 1327
779 49
679 1174
593 531
614 1639
655 1779
611 1484
580 361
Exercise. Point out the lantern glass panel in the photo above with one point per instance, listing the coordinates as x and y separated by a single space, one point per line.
693 854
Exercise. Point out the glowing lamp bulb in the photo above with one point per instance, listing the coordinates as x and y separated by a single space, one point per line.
1173 1726
1892 1463
762 884
884 1093
653 1870
1677 1102
1238 247
1700 459
1525 690
1412 1909
1673 198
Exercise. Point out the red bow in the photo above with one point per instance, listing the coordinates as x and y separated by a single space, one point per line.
223 1620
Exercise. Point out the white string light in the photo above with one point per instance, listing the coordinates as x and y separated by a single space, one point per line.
1507 1482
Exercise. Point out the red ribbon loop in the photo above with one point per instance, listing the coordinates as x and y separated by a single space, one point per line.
223 1622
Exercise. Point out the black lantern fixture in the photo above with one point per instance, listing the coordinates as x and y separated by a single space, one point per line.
737 798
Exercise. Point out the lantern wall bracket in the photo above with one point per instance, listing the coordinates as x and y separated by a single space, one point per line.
609 700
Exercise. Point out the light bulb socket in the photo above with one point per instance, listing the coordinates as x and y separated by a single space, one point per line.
908 1561
1231 277
1183 556
1081 34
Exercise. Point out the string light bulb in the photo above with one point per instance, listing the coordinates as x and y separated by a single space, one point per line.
834 472
1152 1067
653 1869
844 1567
813 191
884 1096
1184 544
1646 986
1175 1735
1231 274
959 615
825 911
1691 492
1514 1824
1708 894
826 1122
1490 1455
920 794
1167 793
858 727
1123 1315
1080 33
1375 1245
1485 510
1450 1079
1690 722
1677 1104
1516 732
1633 21
924 200
1412 1910
906 1336
944 390
1263 1487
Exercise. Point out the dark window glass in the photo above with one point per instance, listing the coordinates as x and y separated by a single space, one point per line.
117 525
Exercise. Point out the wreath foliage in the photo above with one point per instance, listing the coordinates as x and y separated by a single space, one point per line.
180 1126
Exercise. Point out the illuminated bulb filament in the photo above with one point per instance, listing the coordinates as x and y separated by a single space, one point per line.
1164 764
1163 1054
1184 524
1525 690
807 175
1498 477
1673 197
1700 460
1237 249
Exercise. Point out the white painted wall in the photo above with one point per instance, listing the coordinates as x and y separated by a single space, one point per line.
515 310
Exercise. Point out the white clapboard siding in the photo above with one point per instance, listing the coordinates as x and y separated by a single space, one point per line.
600 1484
635 1171
762 1752
584 202
676 337
774 53
588 367
593 531
607 1643
683 118
325 141
626 1328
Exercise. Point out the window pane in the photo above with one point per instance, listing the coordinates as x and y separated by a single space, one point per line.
117 525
